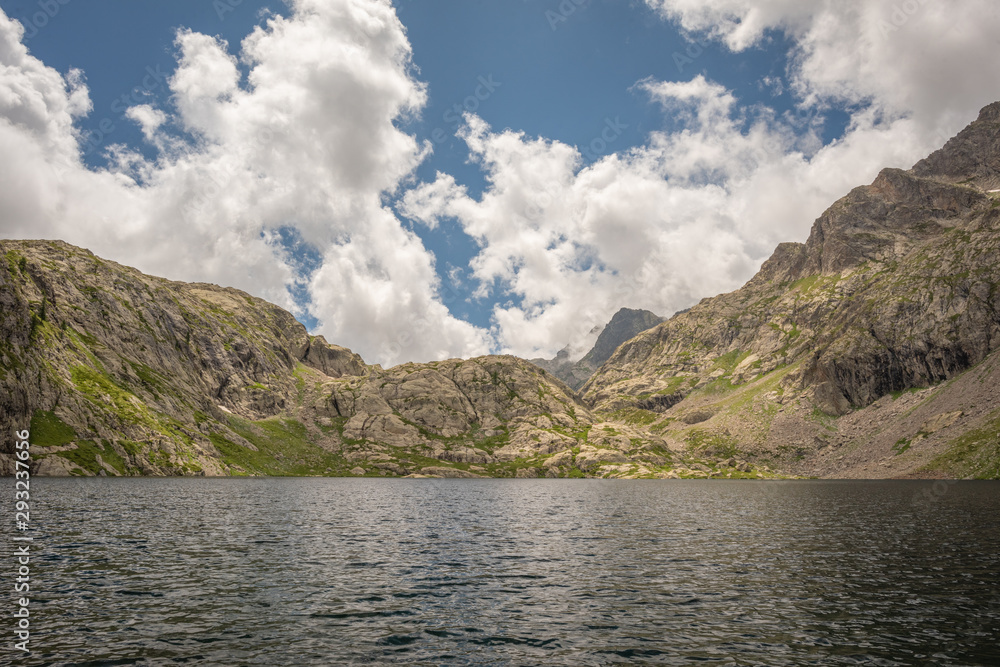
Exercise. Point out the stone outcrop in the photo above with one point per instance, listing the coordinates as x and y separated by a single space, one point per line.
897 287
120 373
625 324
870 350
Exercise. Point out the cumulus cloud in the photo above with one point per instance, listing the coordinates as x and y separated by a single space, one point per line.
148 119
297 128
930 60
689 214
694 212
307 140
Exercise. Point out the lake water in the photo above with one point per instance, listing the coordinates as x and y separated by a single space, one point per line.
511 572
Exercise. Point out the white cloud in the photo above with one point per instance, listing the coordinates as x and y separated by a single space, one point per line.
148 119
694 212
690 214
307 140
931 60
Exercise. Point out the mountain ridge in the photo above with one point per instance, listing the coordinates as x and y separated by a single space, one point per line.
896 288
624 324
119 373
870 350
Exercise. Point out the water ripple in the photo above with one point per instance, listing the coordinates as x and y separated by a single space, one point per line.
513 572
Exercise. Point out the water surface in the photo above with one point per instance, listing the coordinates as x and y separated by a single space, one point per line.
514 572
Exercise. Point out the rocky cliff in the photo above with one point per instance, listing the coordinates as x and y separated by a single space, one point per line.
895 289
870 350
624 324
120 373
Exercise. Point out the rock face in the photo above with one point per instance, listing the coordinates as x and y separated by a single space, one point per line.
135 374
897 287
625 324
499 414
870 350
119 373
573 373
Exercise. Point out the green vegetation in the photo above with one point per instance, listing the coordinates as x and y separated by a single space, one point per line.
897 394
101 390
150 379
284 447
47 430
86 453
712 443
635 416
730 360
975 454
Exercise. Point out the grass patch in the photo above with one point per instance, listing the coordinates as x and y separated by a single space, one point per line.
712 443
635 416
101 390
86 453
897 394
284 448
975 454
730 360
151 380
47 430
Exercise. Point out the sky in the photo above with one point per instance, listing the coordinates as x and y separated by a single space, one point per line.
425 180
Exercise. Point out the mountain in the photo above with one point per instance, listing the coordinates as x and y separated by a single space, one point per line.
120 373
868 350
625 324
566 364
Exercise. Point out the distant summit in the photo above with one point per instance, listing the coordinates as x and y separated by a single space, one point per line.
896 293
625 324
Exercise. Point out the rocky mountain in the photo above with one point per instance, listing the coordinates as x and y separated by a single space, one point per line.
870 350
566 365
810 365
625 324
120 373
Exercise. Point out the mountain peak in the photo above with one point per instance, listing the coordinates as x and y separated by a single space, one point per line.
625 324
972 157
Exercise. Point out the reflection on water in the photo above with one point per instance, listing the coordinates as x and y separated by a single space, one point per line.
513 572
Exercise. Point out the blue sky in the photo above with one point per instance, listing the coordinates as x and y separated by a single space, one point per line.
672 86
531 66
